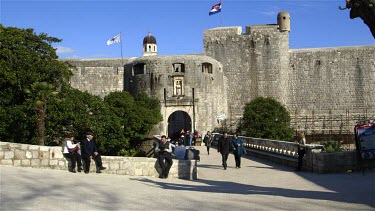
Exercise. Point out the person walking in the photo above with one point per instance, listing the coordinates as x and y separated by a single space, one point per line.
208 138
89 151
238 149
224 147
71 151
164 149
301 150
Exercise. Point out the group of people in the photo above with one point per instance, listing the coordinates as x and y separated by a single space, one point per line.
87 150
235 145
187 138
225 146
84 150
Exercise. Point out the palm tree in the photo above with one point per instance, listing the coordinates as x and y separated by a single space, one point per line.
42 91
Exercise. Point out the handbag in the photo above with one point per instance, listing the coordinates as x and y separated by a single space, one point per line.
75 149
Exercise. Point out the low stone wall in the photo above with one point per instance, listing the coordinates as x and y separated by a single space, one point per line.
339 162
315 160
35 156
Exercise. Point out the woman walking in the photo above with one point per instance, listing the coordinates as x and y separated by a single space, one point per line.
208 138
238 149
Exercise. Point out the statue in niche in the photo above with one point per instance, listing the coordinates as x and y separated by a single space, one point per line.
365 9
178 88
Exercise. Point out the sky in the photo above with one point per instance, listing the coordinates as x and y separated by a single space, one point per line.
178 25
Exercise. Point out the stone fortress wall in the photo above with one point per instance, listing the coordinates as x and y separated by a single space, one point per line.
158 78
338 78
320 79
256 62
98 76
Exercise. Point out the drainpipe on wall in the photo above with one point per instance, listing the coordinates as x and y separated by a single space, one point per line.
193 111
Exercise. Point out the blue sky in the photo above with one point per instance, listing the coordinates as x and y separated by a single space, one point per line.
178 25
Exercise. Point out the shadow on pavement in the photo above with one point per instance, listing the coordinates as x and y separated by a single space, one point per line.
211 186
353 187
39 189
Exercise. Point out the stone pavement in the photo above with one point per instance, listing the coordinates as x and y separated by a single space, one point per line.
258 185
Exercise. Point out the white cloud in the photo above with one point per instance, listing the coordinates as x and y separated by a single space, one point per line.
273 11
269 13
62 50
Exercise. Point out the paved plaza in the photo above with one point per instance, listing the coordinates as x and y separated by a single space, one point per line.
258 185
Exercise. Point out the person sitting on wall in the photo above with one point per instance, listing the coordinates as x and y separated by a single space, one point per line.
164 149
179 151
71 152
89 151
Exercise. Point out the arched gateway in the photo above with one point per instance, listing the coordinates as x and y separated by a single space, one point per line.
176 121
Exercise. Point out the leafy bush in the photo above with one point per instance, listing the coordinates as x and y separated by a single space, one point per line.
332 146
266 118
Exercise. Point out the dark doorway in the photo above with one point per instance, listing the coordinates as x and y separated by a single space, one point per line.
178 120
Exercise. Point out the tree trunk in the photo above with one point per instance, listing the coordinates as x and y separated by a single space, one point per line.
41 124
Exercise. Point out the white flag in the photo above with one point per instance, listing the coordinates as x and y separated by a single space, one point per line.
114 39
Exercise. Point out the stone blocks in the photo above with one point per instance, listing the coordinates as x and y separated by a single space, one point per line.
52 157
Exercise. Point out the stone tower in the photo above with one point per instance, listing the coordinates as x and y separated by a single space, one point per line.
149 46
283 20
255 62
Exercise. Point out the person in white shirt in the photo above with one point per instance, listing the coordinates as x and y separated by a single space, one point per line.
71 151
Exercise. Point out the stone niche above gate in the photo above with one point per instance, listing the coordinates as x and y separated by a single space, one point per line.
178 86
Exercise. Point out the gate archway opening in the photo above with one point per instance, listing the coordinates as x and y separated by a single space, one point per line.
176 121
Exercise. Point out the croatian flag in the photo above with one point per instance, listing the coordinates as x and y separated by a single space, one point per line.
114 39
215 9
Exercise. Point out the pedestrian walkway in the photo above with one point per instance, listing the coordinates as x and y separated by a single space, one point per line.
258 185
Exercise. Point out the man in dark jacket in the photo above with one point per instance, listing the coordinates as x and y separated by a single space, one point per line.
223 147
89 151
164 148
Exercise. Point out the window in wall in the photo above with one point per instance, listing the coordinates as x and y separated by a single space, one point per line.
207 68
179 67
139 69
178 86
149 48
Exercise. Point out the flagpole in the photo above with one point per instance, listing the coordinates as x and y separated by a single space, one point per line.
122 58
221 20
221 17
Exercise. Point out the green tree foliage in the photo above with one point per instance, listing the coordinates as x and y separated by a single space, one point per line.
26 59
332 146
266 118
137 116
38 105
17 124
